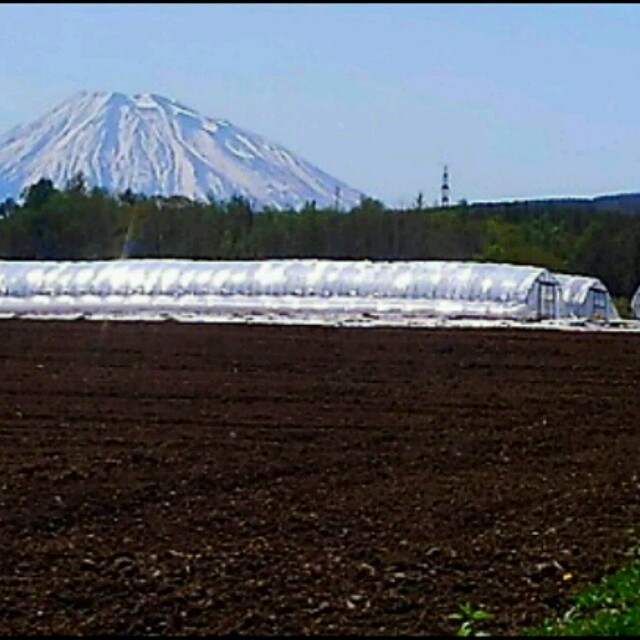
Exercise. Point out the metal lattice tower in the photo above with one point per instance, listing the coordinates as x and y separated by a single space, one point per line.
445 187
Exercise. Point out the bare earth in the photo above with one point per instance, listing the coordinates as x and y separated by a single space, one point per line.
192 479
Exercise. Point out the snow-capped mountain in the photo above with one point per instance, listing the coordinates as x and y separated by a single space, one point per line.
156 146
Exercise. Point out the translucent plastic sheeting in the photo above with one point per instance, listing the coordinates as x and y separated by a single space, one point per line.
635 303
438 288
586 297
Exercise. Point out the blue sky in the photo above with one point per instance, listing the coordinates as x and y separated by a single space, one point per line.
520 100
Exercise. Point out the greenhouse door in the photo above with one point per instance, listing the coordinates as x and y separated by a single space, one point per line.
546 300
599 310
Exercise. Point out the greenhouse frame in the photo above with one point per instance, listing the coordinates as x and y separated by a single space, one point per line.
425 288
586 297
635 304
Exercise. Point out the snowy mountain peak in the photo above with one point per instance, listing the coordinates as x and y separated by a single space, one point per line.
157 146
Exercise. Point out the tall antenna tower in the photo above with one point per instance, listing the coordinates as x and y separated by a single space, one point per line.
445 187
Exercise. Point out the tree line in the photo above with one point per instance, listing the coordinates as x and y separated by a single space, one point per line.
600 239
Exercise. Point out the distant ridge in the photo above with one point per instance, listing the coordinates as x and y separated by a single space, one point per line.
622 202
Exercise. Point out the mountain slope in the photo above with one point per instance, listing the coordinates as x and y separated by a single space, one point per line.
156 146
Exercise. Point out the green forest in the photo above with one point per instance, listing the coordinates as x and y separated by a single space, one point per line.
590 237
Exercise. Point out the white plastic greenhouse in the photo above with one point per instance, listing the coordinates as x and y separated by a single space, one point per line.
425 288
635 304
586 297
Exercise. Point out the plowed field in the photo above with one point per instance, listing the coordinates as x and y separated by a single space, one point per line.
192 479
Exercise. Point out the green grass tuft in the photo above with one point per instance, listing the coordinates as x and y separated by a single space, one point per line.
609 608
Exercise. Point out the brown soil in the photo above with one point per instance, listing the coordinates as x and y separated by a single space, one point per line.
193 479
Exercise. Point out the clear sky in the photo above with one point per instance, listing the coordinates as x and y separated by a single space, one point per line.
520 100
